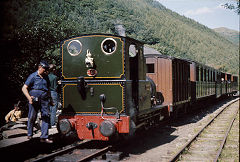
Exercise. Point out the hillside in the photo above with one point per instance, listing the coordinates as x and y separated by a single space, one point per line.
231 35
40 26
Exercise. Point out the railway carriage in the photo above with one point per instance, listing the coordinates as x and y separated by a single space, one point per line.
234 82
203 80
172 79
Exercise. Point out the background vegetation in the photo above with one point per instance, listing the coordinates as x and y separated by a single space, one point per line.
231 35
33 30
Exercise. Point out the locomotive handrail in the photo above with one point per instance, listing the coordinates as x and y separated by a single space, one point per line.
117 113
75 81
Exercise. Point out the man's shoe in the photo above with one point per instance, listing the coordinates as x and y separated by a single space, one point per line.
29 137
45 140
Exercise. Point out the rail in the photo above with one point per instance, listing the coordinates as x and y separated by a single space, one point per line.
176 156
60 152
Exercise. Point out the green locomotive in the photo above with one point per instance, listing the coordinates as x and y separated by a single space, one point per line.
105 90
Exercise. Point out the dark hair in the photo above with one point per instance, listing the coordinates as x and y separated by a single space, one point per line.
52 67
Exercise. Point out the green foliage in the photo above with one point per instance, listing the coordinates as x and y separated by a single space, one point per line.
229 34
235 7
40 26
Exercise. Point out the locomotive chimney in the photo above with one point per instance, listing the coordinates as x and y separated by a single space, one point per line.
120 30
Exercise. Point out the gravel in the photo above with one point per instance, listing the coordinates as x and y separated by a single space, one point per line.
160 143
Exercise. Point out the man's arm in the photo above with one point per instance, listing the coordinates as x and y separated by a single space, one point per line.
18 114
8 116
25 92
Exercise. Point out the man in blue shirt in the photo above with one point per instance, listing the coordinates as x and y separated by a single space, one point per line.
36 90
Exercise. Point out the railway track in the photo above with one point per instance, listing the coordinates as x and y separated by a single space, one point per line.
79 152
208 143
231 148
86 150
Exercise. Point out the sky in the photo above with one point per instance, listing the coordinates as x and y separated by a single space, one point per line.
207 12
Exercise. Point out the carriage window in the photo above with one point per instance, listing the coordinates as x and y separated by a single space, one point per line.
214 76
235 79
201 71
207 75
229 77
150 68
197 74
210 75
204 75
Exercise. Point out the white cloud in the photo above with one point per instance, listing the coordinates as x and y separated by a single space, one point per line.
199 11
204 10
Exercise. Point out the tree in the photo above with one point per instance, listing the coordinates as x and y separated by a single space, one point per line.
232 6
38 27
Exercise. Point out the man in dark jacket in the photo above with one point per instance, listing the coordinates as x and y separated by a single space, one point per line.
53 89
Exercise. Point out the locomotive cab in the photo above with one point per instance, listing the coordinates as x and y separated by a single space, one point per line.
103 86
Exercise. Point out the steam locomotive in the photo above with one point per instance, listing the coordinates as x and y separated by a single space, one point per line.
111 87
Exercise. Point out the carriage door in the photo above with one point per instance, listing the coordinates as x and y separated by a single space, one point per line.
134 74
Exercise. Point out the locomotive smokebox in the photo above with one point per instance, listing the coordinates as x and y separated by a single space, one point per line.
107 128
65 126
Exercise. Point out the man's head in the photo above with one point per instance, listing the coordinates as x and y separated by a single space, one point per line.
43 67
52 67
16 106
